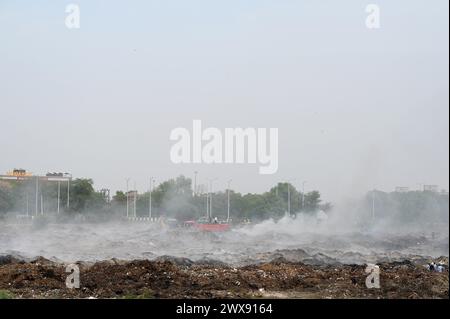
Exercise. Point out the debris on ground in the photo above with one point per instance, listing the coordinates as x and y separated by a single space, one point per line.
170 277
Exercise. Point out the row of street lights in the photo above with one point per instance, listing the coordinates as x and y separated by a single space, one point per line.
208 197
210 194
152 186
39 198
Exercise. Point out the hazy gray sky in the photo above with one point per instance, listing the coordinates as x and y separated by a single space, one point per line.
356 108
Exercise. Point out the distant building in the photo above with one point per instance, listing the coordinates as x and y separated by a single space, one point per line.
18 172
401 189
444 192
54 174
431 188
132 194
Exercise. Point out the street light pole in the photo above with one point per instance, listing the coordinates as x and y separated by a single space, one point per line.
37 194
59 194
195 183
289 195
210 195
207 205
210 199
228 210
68 193
27 205
68 188
289 198
127 196
303 195
42 204
134 199
150 198
153 187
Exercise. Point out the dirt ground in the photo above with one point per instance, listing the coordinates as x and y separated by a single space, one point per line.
180 278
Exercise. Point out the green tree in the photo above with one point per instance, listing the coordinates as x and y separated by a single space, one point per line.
120 197
312 202
6 197
83 196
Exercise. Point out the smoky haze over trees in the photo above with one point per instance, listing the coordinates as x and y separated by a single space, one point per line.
175 198
404 209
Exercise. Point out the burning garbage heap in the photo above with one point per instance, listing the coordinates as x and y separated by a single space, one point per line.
172 277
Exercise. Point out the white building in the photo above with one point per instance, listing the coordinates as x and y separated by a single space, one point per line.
431 188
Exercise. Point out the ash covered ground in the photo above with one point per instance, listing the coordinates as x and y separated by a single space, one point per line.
287 259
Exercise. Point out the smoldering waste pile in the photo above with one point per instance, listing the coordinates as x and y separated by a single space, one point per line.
183 278
145 261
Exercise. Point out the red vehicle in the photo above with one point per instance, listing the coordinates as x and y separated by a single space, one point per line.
205 225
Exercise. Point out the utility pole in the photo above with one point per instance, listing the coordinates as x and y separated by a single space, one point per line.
228 199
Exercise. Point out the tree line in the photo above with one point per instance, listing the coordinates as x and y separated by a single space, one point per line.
173 198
